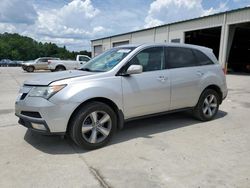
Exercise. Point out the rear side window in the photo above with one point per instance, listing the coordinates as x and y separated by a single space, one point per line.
43 60
202 59
178 57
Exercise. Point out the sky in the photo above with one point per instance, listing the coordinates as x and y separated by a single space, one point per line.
73 23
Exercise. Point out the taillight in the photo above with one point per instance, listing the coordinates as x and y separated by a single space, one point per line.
248 67
49 62
224 70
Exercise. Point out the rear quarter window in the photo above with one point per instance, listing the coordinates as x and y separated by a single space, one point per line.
202 59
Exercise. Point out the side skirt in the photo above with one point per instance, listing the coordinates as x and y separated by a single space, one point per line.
158 114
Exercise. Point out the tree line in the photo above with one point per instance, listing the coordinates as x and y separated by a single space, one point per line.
17 47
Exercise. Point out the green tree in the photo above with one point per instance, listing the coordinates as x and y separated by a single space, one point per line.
17 47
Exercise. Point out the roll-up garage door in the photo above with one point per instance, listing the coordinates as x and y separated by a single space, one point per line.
97 50
115 44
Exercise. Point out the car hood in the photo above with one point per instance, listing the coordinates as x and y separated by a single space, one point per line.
48 78
31 61
27 62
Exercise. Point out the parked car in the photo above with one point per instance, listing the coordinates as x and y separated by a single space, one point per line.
18 63
15 63
122 84
61 65
37 64
5 62
10 63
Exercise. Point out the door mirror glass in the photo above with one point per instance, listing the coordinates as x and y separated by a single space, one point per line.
134 69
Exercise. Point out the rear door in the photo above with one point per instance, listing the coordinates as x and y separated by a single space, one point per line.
42 64
149 91
185 75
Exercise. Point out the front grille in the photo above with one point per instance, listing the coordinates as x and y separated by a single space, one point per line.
31 114
23 96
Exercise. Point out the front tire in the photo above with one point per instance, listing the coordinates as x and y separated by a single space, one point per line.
30 69
23 67
207 106
93 125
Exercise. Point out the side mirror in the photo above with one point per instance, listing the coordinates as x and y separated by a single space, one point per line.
134 69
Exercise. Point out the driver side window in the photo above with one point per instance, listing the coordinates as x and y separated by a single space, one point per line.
82 58
151 59
42 60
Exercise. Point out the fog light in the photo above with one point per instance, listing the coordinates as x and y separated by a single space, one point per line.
38 126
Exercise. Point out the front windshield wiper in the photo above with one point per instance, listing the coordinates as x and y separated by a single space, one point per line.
89 70
86 69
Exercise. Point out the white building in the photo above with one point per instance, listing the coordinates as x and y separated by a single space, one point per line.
227 33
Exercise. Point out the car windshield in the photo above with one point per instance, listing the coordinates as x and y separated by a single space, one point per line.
36 60
107 60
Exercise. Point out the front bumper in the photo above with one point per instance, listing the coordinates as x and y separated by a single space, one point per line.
53 117
28 123
224 92
24 67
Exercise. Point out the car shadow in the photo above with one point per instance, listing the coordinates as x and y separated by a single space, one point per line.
36 72
135 129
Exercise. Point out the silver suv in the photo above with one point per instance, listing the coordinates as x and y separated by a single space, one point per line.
37 64
122 84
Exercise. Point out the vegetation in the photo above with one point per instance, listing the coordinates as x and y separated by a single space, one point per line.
16 47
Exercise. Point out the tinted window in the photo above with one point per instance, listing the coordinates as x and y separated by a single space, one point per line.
180 57
151 59
202 59
42 60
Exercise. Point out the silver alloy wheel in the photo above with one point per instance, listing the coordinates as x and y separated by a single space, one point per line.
96 127
210 105
30 69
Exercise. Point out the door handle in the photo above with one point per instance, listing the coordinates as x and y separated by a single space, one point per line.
199 73
162 78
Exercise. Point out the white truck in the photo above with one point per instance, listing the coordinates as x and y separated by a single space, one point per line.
61 65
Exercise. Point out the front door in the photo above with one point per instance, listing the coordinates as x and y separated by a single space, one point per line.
42 64
149 91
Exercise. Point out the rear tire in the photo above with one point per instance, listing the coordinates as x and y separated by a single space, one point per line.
93 125
60 68
207 106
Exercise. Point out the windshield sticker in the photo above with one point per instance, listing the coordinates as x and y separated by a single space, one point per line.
124 51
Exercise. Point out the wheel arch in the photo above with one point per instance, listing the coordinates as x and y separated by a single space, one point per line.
60 65
110 103
215 88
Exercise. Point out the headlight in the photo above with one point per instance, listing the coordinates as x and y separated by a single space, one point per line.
45 91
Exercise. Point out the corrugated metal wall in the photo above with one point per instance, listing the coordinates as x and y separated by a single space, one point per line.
176 31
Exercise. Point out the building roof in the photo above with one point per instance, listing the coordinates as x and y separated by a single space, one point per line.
220 13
